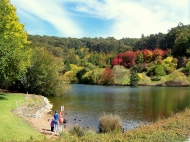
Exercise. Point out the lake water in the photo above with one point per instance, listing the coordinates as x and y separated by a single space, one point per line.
135 105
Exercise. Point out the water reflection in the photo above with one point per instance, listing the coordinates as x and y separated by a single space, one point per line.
133 104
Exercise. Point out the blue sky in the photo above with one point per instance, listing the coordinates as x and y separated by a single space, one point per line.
101 18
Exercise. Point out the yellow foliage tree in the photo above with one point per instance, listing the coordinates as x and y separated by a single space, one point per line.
14 54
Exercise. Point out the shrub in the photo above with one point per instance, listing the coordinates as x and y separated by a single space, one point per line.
107 77
72 74
176 74
109 123
142 67
187 68
120 73
156 70
181 62
143 79
179 77
93 76
159 70
150 71
77 130
168 60
155 78
170 64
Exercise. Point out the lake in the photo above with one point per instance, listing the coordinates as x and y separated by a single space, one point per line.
135 105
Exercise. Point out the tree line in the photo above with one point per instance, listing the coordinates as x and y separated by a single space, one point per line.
24 68
46 64
176 39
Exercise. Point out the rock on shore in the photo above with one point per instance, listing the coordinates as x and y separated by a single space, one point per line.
45 109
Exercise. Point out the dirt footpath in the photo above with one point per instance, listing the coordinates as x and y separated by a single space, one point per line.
41 120
42 124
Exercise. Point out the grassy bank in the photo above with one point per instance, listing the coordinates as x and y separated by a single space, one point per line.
11 126
175 128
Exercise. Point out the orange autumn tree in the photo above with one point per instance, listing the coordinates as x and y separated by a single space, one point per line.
147 54
107 77
158 52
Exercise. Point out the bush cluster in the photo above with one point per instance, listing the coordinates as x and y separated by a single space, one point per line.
109 123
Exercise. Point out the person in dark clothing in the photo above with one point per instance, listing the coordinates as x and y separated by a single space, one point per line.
52 124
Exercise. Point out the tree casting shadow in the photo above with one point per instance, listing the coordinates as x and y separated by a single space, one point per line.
3 96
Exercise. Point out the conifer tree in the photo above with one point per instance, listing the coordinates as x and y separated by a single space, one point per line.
134 77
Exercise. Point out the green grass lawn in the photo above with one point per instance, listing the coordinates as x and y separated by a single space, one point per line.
11 126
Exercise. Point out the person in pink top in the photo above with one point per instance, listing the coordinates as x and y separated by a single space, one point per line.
61 118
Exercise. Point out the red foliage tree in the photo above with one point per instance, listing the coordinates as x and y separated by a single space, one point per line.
117 60
129 59
126 59
158 52
147 54
107 77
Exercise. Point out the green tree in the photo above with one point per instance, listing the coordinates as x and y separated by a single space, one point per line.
94 59
159 70
178 39
187 68
14 54
67 65
93 76
134 77
44 76
182 44
139 58
71 75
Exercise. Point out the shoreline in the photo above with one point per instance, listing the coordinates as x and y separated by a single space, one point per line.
42 117
40 120
41 124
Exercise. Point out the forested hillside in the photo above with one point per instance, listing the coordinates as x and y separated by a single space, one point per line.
177 39
46 65
152 56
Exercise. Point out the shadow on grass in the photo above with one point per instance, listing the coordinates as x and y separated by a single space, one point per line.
3 96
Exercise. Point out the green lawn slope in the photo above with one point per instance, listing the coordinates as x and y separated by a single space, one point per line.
11 126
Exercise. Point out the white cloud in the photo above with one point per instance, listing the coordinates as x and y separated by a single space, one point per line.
50 11
130 18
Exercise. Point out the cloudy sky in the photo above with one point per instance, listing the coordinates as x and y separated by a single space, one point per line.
101 18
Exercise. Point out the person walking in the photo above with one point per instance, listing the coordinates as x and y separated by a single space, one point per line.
56 117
